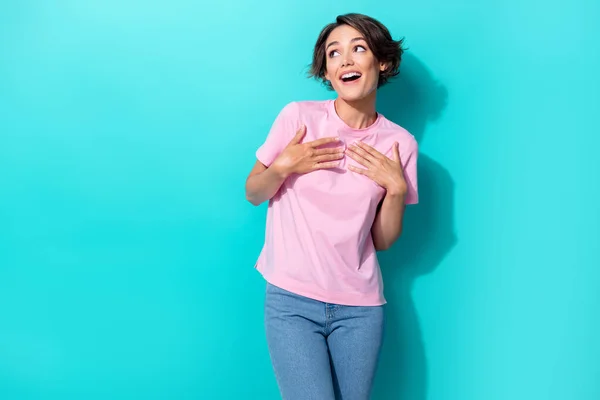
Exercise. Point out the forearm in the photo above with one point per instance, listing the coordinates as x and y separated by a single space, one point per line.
387 226
264 185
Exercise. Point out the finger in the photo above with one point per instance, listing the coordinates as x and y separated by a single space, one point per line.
372 151
299 135
396 152
359 159
330 150
360 155
322 141
326 165
361 171
329 157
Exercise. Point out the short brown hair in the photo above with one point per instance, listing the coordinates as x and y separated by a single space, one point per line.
379 40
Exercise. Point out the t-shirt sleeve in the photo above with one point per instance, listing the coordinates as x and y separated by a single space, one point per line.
282 131
409 161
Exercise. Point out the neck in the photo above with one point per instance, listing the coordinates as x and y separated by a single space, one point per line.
358 114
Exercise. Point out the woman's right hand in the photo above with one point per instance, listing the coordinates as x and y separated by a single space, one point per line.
300 158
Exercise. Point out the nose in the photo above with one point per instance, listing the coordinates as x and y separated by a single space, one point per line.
347 61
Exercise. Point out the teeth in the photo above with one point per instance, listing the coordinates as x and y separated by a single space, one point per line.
350 75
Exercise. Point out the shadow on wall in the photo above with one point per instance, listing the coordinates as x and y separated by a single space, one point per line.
412 100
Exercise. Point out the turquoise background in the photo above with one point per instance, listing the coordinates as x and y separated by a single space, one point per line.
127 247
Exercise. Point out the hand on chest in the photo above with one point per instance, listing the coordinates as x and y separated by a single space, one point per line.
338 184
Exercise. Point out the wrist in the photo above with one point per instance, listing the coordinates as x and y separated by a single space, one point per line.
396 191
279 171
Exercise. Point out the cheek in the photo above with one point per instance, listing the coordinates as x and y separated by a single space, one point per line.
371 64
373 70
330 68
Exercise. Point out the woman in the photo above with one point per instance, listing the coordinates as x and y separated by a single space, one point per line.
337 175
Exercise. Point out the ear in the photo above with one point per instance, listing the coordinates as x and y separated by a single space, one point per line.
383 66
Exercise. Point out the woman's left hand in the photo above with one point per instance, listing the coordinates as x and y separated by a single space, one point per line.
386 172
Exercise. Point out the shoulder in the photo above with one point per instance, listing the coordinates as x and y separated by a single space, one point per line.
304 108
393 132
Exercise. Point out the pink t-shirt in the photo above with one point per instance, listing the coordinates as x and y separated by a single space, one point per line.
318 240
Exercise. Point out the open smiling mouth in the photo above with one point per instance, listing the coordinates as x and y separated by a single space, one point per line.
350 77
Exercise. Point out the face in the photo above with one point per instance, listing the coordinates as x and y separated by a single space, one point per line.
351 66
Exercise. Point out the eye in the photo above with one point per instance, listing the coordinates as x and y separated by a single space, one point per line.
360 48
333 53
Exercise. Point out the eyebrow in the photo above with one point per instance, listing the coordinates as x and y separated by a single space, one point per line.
356 39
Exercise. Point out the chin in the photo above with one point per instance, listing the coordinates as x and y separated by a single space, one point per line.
350 99
353 95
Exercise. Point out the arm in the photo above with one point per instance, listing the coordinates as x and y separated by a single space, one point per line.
387 226
263 183
388 173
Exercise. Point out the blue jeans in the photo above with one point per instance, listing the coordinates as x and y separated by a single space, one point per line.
322 351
